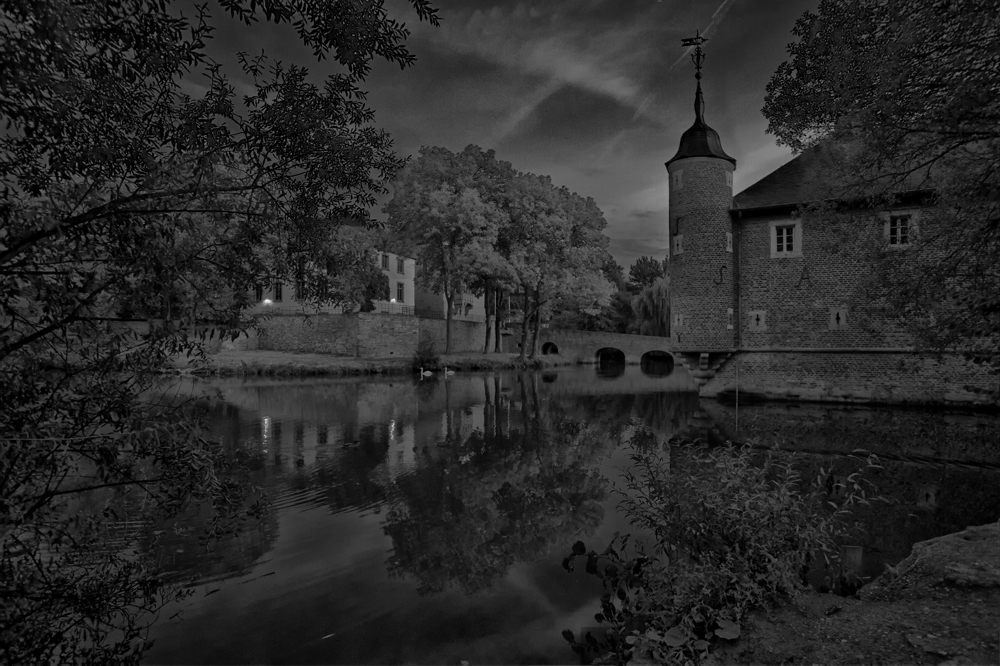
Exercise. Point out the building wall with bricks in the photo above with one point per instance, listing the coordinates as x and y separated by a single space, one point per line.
859 377
701 254
816 296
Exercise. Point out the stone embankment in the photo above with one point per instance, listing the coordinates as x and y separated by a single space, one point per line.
275 363
941 605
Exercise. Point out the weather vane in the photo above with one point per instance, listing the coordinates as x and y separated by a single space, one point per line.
698 56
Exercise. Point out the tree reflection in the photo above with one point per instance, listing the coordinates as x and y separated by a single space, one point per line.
497 497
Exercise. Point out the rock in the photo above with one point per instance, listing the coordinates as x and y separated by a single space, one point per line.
970 558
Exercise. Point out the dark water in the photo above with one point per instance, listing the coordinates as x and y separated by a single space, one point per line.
425 522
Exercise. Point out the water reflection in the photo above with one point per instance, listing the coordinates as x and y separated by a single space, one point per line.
425 521
657 363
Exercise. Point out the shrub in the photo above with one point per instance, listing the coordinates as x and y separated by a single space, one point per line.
731 529
426 356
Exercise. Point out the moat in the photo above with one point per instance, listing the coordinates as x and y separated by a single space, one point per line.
426 521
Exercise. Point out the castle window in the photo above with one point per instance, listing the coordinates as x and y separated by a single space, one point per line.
677 179
277 291
678 244
729 242
786 239
399 265
385 261
399 292
729 178
258 293
838 318
729 319
757 320
678 321
900 230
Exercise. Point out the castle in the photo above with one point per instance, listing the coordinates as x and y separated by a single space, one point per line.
767 302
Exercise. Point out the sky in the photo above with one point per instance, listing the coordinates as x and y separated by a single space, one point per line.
594 93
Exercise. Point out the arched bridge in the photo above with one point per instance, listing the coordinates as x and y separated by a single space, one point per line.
591 346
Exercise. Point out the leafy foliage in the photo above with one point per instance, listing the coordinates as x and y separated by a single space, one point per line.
123 197
911 91
730 531
645 272
652 309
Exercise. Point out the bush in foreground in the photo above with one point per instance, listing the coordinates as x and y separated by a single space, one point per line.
732 529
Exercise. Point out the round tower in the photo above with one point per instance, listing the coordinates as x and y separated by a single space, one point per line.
702 295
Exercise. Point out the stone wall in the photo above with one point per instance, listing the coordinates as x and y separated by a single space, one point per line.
386 335
466 336
892 378
320 334
366 335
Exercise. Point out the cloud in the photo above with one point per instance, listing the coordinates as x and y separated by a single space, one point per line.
562 45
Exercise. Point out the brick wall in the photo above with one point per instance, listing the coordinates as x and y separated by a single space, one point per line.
387 336
366 335
320 334
466 336
701 278
894 378
797 295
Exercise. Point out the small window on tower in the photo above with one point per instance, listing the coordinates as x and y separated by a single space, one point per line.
729 242
729 178
677 179
678 244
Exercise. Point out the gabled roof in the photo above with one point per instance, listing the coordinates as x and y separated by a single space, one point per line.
817 174
810 176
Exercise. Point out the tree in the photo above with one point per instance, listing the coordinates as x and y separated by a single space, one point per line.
911 89
644 272
123 195
451 229
652 309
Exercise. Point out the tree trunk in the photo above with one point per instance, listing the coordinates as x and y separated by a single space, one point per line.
449 299
488 302
537 320
498 303
524 326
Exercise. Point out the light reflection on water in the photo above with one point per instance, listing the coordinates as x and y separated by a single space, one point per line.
425 521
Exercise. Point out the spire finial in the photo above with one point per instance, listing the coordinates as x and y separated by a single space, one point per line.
698 57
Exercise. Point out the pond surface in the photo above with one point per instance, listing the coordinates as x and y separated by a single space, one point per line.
426 521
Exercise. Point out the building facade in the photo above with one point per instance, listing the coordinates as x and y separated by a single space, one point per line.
400 273
768 301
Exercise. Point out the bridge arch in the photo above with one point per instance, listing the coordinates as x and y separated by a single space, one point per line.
657 363
550 348
610 362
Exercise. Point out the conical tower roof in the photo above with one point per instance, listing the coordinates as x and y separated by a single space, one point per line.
700 140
